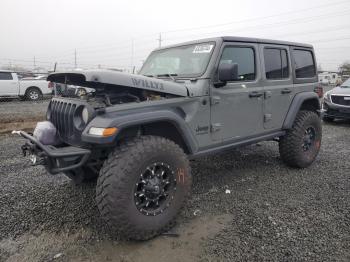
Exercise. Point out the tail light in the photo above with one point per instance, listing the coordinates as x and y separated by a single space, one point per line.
319 91
50 85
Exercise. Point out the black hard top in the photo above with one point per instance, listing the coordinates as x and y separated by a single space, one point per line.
243 40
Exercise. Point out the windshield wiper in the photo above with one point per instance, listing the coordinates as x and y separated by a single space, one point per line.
149 75
168 75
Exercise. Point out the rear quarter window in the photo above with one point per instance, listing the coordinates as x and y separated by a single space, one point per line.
304 64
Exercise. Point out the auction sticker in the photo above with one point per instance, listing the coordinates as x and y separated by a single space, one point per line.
202 48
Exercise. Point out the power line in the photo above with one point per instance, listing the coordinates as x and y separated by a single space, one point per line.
259 18
228 23
286 22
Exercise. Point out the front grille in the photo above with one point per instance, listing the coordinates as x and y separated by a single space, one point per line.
341 100
62 116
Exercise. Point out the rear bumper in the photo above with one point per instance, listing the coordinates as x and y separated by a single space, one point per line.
55 159
333 111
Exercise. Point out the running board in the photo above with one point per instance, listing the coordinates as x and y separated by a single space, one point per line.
226 147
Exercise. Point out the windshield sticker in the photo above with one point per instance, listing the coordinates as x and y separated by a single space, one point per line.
202 49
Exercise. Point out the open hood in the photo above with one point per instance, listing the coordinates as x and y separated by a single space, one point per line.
94 78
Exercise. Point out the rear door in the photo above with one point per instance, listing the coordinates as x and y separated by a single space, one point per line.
236 108
8 84
278 84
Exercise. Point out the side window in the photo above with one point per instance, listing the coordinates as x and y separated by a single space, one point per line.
304 63
5 76
276 63
244 57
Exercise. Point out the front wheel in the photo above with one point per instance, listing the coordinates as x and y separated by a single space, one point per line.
142 186
300 146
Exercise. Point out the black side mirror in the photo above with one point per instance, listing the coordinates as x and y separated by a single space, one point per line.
228 72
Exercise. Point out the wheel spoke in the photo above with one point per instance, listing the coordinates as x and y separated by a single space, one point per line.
153 190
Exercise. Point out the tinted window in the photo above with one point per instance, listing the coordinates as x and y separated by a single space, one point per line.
5 76
304 64
276 63
244 57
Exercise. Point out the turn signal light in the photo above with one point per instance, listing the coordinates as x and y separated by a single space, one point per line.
99 131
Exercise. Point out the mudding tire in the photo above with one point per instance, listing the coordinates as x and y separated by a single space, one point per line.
142 186
33 94
300 146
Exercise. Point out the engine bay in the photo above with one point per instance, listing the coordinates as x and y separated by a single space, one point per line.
109 95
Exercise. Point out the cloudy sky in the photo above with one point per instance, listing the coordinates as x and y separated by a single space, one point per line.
120 34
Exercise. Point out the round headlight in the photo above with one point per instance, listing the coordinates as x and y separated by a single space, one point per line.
85 115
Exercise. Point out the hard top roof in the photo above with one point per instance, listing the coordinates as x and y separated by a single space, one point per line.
241 39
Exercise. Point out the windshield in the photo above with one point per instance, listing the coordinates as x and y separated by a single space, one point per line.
186 61
346 83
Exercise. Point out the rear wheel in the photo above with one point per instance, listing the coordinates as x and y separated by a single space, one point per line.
142 186
300 146
33 94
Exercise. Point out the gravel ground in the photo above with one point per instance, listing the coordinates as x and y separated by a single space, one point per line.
16 110
271 213
21 115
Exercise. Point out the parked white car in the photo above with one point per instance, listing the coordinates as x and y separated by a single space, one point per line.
31 89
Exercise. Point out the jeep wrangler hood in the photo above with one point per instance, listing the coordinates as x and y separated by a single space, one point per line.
94 78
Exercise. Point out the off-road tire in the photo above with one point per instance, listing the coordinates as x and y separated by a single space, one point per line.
120 173
33 94
290 145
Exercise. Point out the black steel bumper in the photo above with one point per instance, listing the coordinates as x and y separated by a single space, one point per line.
333 111
55 159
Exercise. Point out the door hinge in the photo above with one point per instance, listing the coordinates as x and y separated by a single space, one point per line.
267 117
216 127
214 100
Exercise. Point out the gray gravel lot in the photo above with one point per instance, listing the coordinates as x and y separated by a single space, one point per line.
16 110
272 213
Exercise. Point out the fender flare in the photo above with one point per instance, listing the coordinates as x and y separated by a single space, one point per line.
295 106
36 87
136 118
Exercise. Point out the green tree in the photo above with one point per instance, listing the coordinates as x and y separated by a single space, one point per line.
344 67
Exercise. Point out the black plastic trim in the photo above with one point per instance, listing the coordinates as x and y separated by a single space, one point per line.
295 106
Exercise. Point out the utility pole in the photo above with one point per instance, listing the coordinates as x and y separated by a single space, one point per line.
132 54
34 63
160 39
75 58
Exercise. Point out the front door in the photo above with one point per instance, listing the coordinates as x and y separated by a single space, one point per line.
237 107
8 86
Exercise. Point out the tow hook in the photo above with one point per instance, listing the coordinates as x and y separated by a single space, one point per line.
28 150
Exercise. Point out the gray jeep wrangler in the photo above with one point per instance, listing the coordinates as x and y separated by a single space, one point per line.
136 133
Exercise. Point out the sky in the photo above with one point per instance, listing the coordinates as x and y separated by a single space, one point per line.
120 34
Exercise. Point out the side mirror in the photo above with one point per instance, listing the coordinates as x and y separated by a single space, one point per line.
228 72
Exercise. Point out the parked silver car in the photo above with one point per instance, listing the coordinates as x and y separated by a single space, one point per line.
337 102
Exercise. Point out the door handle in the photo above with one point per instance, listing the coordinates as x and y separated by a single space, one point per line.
255 94
286 91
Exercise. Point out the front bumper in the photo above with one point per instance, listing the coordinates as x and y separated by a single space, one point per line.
55 159
334 111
